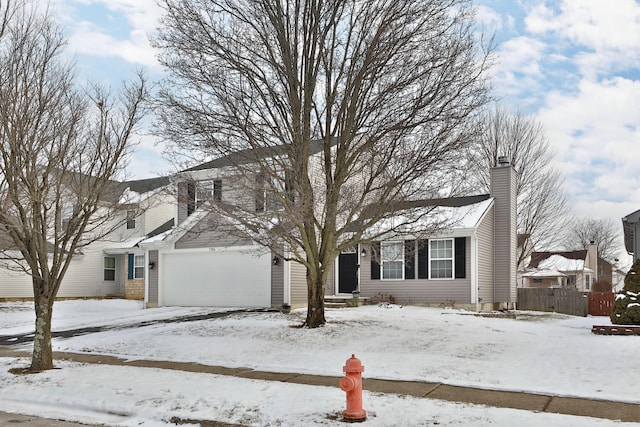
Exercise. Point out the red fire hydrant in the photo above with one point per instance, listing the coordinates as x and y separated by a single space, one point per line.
352 384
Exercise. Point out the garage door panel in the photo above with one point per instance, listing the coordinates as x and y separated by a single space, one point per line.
222 279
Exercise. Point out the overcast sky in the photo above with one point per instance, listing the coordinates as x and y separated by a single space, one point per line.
573 64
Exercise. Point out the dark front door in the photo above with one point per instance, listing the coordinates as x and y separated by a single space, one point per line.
347 272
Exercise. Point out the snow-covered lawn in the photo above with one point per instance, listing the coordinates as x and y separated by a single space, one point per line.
536 352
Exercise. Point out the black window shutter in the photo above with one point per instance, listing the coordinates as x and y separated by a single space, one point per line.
423 259
375 265
460 257
409 259
217 190
191 198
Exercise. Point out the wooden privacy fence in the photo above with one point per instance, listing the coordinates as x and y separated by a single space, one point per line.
566 301
600 303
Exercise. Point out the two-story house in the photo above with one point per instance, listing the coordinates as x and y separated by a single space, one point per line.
113 265
631 229
201 262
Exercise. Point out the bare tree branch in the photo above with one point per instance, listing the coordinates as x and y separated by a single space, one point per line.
542 204
60 150
342 108
603 232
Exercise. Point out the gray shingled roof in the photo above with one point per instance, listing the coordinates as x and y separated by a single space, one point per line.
249 155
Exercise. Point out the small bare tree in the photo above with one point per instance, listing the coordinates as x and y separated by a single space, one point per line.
60 148
542 204
336 111
603 232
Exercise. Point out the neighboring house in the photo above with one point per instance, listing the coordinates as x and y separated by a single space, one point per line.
470 264
618 276
113 266
567 269
631 229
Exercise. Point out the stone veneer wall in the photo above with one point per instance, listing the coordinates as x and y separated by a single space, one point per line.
134 289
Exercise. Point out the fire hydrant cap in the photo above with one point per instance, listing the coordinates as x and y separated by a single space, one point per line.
353 365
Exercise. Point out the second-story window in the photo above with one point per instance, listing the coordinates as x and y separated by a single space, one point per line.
131 220
208 191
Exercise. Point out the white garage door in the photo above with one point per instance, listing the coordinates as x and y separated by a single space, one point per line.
217 279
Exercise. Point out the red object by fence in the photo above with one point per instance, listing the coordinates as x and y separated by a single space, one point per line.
600 303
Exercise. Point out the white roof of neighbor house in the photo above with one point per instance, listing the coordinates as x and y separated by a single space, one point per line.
560 263
544 273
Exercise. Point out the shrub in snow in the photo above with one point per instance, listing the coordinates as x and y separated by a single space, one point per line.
626 307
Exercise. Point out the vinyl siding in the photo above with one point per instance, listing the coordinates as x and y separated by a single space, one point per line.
211 231
418 291
330 287
503 189
484 233
158 210
14 284
298 284
182 202
277 284
84 278
152 296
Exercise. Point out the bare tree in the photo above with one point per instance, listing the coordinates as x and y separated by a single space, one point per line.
339 110
542 204
60 147
603 232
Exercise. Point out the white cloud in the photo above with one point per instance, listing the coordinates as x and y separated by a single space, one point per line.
596 131
141 14
489 19
596 24
87 37
518 71
89 40
604 33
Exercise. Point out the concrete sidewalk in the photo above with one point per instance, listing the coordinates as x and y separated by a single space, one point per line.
628 412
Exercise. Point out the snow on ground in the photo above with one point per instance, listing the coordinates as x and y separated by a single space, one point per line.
536 352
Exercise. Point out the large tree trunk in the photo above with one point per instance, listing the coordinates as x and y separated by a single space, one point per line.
315 300
42 357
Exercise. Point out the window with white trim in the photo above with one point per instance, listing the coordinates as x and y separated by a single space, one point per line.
138 267
131 220
587 282
392 260
208 190
109 268
441 259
